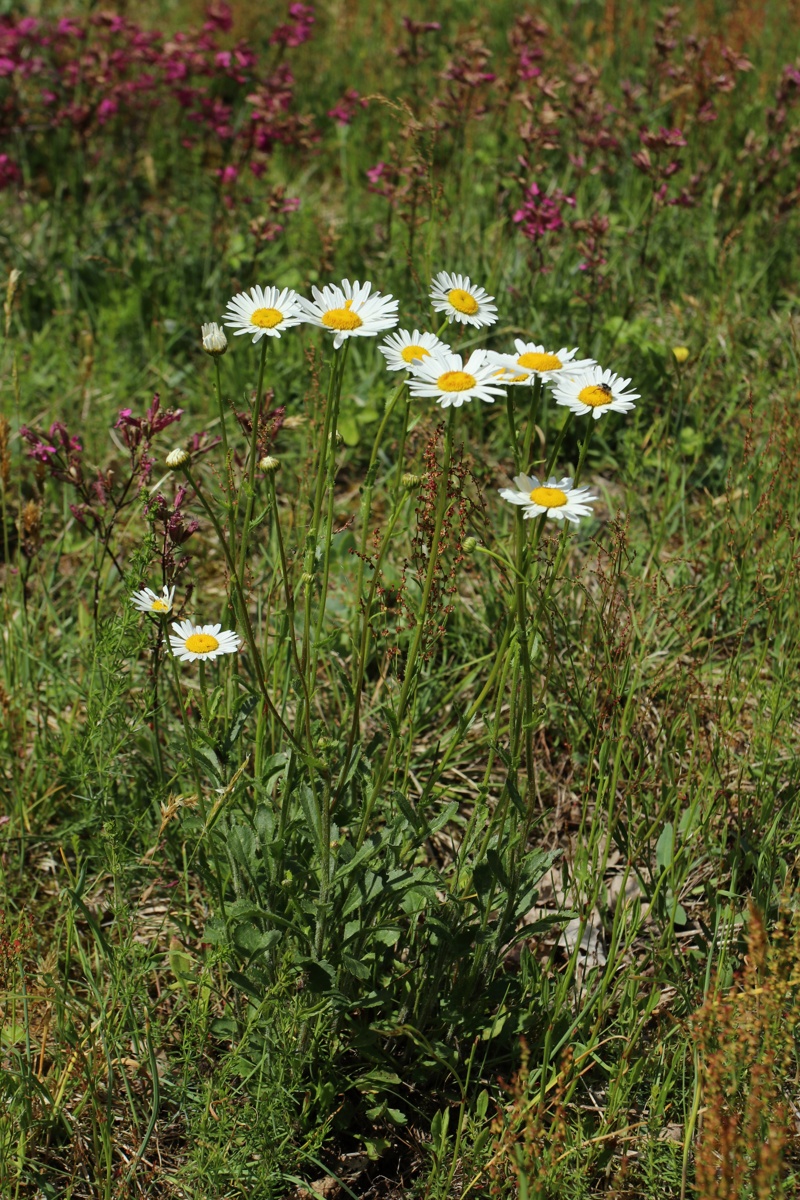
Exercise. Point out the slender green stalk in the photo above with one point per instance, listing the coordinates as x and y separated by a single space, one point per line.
512 431
361 660
469 715
222 425
330 483
504 657
325 869
433 556
187 733
584 451
533 412
334 383
551 458
244 615
521 597
226 453
290 606
188 737
366 495
413 653
401 450
251 473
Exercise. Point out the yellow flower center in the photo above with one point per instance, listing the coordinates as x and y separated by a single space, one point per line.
342 318
540 362
455 381
549 497
463 301
595 395
266 318
201 643
159 606
411 354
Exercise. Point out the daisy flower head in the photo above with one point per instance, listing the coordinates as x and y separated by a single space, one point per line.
457 296
263 312
404 351
594 391
532 362
556 498
352 310
149 601
448 380
214 340
190 641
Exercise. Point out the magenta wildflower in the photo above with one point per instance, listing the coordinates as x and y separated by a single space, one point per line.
541 214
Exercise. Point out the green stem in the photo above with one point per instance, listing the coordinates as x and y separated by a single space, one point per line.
244 615
366 497
313 533
226 453
358 677
325 868
512 430
187 733
330 482
290 607
521 588
477 703
222 426
188 737
441 510
251 475
413 653
401 450
554 453
533 412
584 451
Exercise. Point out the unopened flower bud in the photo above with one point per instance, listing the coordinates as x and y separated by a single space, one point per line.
176 458
681 353
214 340
268 463
410 481
469 544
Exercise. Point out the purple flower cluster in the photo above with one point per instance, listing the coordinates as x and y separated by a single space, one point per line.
540 214
298 29
62 454
346 108
89 74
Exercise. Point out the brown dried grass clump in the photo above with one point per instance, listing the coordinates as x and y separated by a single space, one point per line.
529 1133
746 1043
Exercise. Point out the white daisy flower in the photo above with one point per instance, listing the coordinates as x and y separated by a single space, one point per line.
265 311
350 311
448 380
532 362
462 300
594 391
148 601
557 498
190 641
404 351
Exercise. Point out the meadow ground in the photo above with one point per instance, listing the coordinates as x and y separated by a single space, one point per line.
466 864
